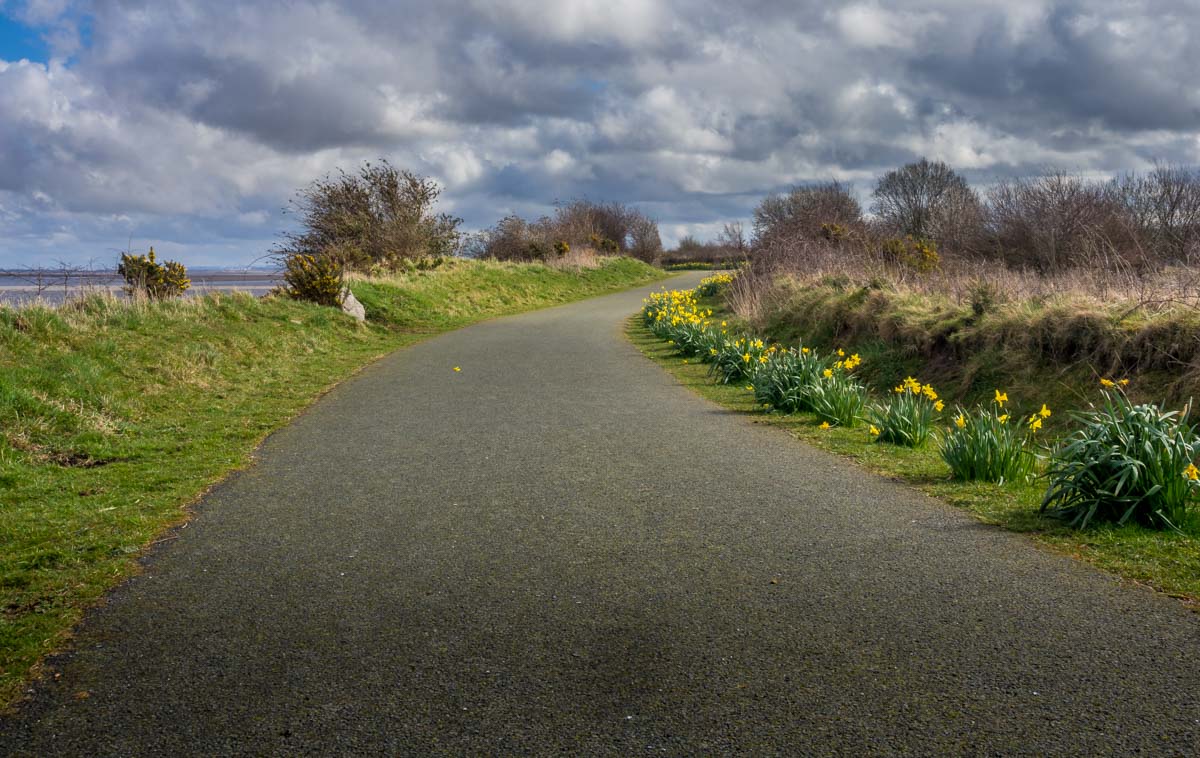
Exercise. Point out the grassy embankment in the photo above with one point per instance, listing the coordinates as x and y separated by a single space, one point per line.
114 416
1048 352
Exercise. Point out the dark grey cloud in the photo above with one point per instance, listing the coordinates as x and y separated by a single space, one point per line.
187 124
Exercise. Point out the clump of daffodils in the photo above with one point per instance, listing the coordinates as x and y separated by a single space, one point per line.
711 285
907 416
988 444
1126 463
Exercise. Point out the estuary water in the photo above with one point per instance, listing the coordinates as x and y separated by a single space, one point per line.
53 287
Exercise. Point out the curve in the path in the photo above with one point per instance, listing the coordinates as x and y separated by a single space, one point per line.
558 549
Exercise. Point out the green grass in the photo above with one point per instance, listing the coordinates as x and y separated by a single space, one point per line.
1164 560
115 417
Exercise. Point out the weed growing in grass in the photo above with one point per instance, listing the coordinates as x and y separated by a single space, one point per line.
988 445
1127 463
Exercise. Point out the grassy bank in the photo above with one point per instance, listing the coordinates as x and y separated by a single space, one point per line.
1168 561
115 416
1052 347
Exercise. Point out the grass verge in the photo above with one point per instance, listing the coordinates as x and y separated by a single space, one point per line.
1166 561
115 416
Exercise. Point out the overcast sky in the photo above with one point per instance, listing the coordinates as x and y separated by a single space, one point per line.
186 124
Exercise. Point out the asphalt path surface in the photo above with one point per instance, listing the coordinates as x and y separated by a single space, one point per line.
559 550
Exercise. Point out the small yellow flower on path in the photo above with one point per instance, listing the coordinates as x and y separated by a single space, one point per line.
824 424
1044 412
458 368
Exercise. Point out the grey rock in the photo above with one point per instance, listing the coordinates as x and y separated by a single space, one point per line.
351 306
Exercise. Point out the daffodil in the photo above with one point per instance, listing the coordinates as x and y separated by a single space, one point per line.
1035 423
960 421
827 373
458 368
824 424
1191 472
874 430
1044 412
938 406
1107 383
1003 419
1001 398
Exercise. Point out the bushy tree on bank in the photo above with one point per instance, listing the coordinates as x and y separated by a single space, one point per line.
373 219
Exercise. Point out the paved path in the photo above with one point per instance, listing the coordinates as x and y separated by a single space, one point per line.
559 550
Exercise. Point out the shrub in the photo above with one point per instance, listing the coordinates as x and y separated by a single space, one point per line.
1127 463
158 281
906 418
988 445
911 253
371 219
316 278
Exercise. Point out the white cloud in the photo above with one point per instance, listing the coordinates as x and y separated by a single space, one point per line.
192 123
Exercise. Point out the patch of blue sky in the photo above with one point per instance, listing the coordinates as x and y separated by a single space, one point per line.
18 41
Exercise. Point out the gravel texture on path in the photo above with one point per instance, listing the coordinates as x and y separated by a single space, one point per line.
559 550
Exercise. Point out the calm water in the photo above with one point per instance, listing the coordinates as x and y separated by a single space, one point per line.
25 286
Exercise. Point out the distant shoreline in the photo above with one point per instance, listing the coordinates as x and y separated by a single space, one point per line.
22 287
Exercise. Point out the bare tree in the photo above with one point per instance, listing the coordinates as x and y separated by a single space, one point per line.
1059 219
1164 205
804 212
733 237
926 199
